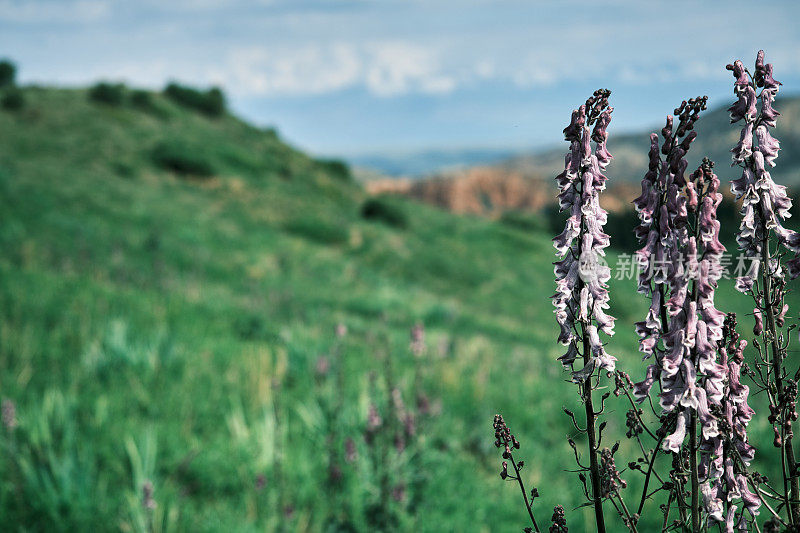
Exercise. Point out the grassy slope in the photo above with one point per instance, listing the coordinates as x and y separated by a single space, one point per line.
150 325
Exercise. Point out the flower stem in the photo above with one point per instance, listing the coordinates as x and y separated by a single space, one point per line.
649 472
777 370
590 432
528 505
694 473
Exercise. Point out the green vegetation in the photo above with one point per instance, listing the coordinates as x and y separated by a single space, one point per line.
108 93
183 158
386 210
167 331
8 73
210 102
12 99
142 99
526 221
338 169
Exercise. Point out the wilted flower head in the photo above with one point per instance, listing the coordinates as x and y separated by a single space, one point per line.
508 442
581 273
559 520
503 435
609 475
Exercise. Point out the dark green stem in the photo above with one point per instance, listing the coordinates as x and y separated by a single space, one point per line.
777 375
586 389
694 473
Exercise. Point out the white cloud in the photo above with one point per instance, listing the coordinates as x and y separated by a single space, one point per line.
397 67
309 69
389 48
66 11
383 68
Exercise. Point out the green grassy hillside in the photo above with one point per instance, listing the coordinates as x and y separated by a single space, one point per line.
170 289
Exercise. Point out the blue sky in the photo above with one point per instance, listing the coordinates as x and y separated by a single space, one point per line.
353 76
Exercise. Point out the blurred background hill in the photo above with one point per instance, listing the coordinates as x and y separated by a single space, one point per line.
171 279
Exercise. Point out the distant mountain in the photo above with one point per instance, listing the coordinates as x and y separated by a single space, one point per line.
524 181
716 136
415 164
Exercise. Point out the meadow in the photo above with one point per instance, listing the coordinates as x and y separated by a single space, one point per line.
175 286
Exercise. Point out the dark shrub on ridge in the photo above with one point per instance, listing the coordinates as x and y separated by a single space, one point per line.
8 73
210 102
107 93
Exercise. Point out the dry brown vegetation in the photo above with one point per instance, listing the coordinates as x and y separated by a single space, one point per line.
490 191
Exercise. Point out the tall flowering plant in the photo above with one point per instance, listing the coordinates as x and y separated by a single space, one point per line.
691 366
581 301
678 271
761 237
695 356
581 296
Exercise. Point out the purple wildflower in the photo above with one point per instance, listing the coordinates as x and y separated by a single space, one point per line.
350 453
765 204
399 492
417 336
148 502
322 367
581 273
691 377
374 424
9 414
725 455
663 230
